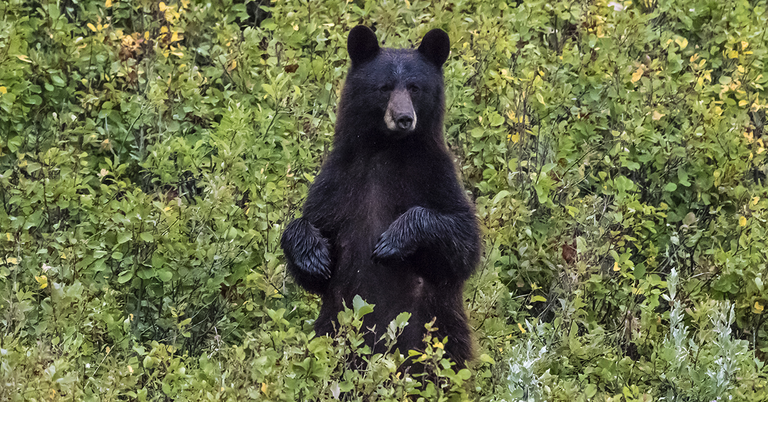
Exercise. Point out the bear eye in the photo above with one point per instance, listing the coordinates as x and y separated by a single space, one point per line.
385 88
413 88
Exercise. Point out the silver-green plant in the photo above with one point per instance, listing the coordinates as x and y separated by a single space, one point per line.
730 352
678 346
706 372
522 381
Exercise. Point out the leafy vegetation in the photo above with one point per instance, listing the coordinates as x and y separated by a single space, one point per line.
151 154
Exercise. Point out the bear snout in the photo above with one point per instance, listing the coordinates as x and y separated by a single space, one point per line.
404 122
400 115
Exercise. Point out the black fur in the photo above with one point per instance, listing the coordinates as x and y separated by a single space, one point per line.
386 217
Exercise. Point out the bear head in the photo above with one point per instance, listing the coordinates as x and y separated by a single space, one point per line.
394 93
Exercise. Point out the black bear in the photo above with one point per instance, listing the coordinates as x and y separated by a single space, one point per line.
386 218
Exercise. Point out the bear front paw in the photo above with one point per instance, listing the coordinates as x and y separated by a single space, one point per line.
316 262
306 250
387 250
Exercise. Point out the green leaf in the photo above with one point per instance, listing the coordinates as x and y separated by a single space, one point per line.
164 275
123 237
590 391
125 276
639 271
402 319
477 132
485 358
58 81
360 307
500 196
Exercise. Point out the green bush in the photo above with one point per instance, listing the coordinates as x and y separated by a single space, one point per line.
151 155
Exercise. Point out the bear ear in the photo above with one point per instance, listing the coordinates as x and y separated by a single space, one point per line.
435 46
362 44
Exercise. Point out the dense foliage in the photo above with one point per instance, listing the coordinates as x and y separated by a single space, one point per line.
151 155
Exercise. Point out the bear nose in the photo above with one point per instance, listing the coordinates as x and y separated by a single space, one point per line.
404 122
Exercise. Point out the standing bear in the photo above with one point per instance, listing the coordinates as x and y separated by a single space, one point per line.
386 218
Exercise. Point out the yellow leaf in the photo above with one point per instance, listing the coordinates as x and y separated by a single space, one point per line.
515 138
743 103
23 58
108 350
92 27
683 42
130 369
694 57
263 387
755 200
759 308
520 326
8 236
742 221
163 29
42 280
439 345
3 90
616 266
732 54
162 6
744 45
637 75
657 116
108 3
12 260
